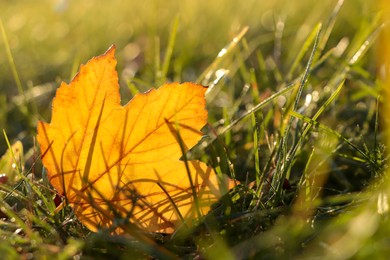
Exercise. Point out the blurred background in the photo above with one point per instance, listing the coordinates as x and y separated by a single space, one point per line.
48 40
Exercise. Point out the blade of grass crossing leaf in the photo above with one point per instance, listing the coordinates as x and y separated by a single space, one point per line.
174 130
147 244
61 166
171 200
91 150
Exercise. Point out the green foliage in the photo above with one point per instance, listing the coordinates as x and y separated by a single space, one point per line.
294 112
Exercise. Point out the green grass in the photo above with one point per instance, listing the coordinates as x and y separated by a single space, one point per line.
294 106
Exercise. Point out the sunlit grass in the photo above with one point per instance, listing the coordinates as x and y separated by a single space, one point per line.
294 114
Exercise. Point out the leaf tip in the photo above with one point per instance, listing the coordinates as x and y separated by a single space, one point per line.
111 49
110 52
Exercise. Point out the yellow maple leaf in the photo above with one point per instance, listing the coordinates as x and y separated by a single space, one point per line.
111 160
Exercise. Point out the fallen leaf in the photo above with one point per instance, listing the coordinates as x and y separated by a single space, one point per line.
124 161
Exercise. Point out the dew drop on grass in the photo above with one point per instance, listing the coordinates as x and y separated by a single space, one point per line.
308 100
383 203
315 95
281 100
222 52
